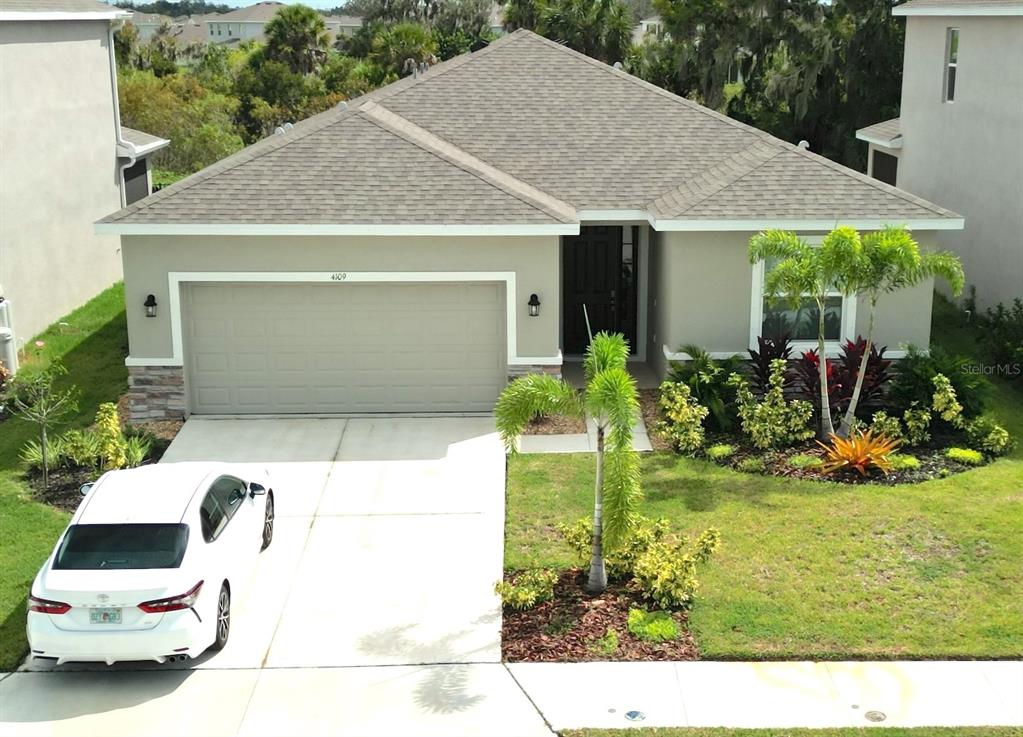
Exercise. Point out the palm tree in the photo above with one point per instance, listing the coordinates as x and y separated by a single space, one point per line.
611 401
804 271
297 36
892 261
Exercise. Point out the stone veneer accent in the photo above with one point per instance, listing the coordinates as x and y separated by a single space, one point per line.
516 371
156 393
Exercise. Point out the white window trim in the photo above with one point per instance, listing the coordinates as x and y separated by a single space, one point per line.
831 347
176 278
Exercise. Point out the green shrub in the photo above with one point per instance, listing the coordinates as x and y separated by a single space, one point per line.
653 626
945 403
607 644
966 456
32 455
918 422
882 424
772 422
707 378
666 572
751 465
111 439
914 380
136 450
720 451
1002 336
804 460
81 449
986 435
618 561
901 462
527 589
683 417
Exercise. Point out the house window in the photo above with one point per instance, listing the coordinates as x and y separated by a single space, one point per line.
778 317
211 30
884 167
951 61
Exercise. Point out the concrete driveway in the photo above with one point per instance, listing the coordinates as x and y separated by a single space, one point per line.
372 612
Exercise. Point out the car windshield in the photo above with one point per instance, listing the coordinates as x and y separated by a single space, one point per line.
103 547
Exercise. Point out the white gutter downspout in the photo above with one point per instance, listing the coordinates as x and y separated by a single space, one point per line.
125 150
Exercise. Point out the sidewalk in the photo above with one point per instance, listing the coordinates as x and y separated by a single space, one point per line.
799 694
580 442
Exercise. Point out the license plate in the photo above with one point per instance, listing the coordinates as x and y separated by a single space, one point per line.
105 616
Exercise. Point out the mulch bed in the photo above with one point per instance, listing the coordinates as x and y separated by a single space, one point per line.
567 628
648 399
64 491
556 425
933 463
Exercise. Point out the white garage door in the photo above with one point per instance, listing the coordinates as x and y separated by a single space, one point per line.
343 348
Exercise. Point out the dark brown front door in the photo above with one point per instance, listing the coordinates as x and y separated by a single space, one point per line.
592 268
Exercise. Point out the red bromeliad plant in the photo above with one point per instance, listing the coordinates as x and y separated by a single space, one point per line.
861 452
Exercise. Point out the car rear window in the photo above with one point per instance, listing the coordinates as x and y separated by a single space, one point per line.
111 547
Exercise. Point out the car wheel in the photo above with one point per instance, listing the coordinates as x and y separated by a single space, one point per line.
223 617
268 522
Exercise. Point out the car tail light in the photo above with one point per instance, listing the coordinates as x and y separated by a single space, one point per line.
174 603
45 606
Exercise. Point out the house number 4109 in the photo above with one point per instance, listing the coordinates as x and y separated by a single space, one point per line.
338 276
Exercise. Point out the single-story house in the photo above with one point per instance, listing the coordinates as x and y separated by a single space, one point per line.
410 250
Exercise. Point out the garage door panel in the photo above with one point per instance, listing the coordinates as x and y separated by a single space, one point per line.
320 348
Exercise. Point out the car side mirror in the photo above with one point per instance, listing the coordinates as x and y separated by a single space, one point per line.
85 488
256 489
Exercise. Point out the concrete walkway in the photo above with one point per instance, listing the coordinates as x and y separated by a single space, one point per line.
580 442
781 695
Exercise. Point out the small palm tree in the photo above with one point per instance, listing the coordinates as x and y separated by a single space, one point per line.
610 400
892 261
297 36
804 271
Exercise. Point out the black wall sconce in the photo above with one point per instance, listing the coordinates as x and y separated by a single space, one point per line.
534 305
150 305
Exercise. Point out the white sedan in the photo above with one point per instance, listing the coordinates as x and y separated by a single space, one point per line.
149 564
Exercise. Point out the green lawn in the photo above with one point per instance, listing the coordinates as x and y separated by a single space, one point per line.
818 570
847 732
92 345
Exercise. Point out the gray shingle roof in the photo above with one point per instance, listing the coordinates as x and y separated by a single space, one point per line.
57 6
887 130
524 131
140 138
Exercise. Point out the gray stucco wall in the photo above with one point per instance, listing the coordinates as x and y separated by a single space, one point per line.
149 259
703 289
58 150
967 155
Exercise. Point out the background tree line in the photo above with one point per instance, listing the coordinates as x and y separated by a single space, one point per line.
799 69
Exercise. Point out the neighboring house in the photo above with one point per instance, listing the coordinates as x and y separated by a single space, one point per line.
342 25
64 159
192 29
147 23
959 139
242 24
411 249
651 25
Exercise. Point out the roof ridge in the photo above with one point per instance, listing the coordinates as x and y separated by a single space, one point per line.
452 154
303 128
731 164
763 135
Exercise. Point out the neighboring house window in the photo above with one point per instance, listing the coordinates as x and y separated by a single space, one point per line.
778 318
951 61
885 167
211 30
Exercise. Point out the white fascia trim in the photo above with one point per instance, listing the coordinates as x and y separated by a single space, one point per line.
336 229
957 10
832 349
112 14
753 226
615 216
138 152
176 278
893 143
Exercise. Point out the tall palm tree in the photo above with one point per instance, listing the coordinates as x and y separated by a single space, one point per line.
804 271
611 401
892 261
297 36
